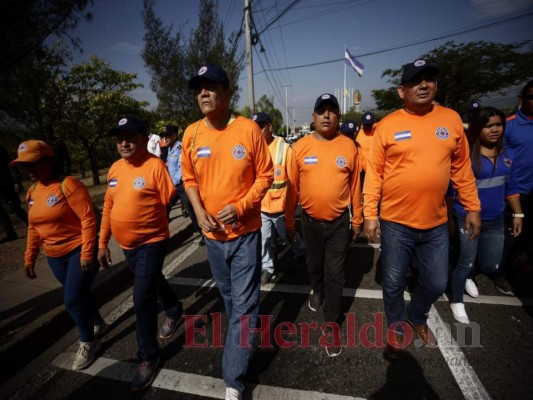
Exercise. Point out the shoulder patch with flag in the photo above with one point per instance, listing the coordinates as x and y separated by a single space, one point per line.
352 62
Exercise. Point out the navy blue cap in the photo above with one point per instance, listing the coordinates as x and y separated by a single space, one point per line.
473 106
169 130
410 71
349 127
368 118
262 118
210 72
326 98
129 124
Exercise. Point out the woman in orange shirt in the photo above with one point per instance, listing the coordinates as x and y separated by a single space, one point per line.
62 219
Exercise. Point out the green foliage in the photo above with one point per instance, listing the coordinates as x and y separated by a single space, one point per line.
468 71
172 59
266 104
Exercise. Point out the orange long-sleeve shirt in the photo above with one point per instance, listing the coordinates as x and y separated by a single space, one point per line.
411 162
60 219
276 197
135 203
228 166
326 175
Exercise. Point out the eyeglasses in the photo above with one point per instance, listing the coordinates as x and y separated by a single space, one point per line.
528 96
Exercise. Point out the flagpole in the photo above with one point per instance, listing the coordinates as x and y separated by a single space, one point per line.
344 91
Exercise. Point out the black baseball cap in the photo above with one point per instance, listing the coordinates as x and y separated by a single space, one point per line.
326 98
262 118
129 124
410 71
169 130
349 127
368 118
210 72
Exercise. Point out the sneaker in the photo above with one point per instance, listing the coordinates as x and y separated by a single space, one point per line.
101 330
459 313
233 394
266 276
169 327
315 302
85 354
503 286
145 375
471 288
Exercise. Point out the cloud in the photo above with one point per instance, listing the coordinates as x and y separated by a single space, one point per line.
125 47
499 8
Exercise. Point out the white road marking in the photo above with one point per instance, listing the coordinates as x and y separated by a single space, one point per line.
195 384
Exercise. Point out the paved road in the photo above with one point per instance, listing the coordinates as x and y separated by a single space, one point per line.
490 358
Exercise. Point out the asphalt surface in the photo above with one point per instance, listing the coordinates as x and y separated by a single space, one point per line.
490 358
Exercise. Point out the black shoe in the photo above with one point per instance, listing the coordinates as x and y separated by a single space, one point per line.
315 302
503 286
145 375
266 276
169 327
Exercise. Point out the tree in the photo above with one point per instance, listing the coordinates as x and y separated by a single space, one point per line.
468 71
86 102
172 59
266 104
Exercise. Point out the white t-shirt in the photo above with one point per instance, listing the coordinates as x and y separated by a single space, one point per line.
153 144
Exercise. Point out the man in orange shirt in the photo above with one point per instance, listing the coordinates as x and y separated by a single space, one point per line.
324 171
227 170
415 152
273 204
138 192
366 133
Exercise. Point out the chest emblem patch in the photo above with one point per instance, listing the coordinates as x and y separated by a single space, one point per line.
442 133
341 162
52 200
139 183
239 152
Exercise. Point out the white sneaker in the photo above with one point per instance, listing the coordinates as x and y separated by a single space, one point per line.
459 313
471 288
101 330
85 354
233 394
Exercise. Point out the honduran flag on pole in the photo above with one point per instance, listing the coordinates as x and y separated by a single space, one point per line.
352 61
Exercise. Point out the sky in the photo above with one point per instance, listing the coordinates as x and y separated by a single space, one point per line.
381 34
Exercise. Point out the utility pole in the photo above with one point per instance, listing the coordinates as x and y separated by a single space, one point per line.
250 67
286 108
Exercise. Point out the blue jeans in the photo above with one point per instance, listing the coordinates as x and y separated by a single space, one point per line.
487 248
149 285
236 267
273 225
78 297
428 249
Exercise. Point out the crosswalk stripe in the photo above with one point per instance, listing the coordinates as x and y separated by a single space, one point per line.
350 292
194 384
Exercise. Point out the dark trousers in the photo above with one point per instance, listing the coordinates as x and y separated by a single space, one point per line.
149 285
182 195
326 244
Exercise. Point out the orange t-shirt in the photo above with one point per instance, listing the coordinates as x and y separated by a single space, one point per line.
60 223
135 203
275 199
228 166
365 140
410 165
326 175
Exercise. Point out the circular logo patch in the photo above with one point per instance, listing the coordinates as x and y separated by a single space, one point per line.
341 162
23 147
350 125
202 70
139 183
239 152
442 133
52 200
507 162
278 172
325 96
123 121
419 63
254 117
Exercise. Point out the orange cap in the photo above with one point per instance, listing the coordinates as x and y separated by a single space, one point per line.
32 151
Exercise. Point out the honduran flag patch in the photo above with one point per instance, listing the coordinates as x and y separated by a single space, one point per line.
204 152
311 160
113 182
402 135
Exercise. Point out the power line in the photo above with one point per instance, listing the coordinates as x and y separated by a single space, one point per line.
444 36
279 16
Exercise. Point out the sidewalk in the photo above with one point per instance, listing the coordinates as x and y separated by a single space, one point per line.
32 314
